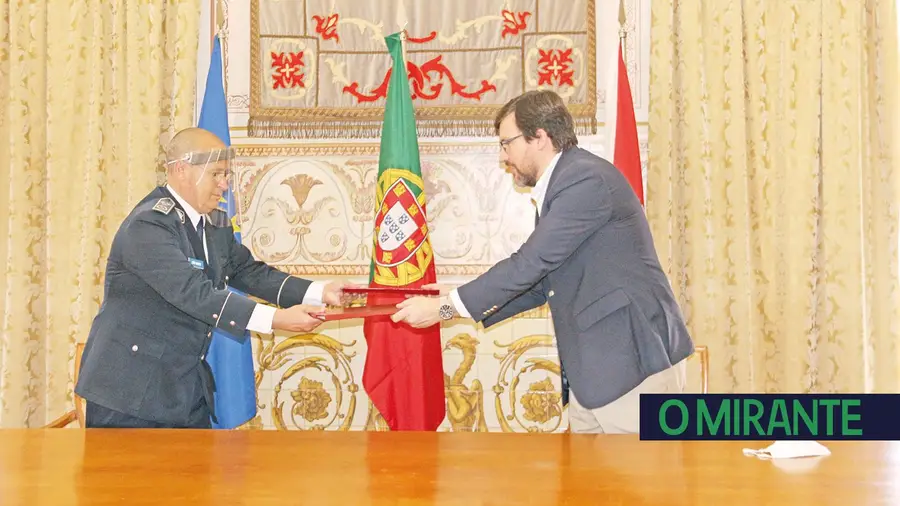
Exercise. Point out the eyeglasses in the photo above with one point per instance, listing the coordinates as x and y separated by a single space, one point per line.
504 144
221 176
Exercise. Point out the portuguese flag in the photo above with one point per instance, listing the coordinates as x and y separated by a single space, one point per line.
404 374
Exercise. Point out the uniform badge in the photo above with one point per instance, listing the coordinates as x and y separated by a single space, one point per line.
180 214
164 205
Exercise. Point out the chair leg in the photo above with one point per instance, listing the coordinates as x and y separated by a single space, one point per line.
62 421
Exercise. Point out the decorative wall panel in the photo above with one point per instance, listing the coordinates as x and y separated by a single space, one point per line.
505 379
320 68
309 209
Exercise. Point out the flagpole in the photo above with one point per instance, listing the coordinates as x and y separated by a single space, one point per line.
623 33
404 36
233 205
220 28
217 21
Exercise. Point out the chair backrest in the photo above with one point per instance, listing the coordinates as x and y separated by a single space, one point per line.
77 414
79 402
703 353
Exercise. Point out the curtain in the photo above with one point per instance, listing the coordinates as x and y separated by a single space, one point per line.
89 91
773 188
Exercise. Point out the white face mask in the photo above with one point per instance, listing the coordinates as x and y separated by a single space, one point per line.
790 450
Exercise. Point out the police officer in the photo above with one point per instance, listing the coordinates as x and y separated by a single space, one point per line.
165 291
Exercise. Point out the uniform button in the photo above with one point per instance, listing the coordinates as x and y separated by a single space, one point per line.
202 357
134 348
215 315
208 334
550 293
231 323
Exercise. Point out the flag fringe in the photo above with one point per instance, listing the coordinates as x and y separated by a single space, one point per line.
280 129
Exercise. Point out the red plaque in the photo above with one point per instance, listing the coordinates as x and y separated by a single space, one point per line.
347 313
392 291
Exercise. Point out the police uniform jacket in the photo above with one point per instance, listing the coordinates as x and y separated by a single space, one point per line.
145 352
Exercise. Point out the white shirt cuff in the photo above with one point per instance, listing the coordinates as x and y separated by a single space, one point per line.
261 319
458 305
314 293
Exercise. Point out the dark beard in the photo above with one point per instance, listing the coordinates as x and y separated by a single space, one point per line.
528 179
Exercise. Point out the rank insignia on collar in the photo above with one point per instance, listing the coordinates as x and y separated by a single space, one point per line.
180 214
164 205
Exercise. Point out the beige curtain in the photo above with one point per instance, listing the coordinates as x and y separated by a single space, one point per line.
773 188
88 90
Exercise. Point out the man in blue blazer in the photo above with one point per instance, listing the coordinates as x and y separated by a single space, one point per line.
618 327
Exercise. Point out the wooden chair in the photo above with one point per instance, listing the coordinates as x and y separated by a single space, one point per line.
703 353
77 414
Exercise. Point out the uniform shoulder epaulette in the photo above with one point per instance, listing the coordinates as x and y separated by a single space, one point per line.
164 205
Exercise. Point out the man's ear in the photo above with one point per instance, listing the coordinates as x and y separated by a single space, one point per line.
545 140
180 168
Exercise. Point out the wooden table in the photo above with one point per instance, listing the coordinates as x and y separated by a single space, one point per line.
170 467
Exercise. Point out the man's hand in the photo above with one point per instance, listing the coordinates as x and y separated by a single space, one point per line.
418 312
297 318
333 293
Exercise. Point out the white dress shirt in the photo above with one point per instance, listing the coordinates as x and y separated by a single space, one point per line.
538 193
262 316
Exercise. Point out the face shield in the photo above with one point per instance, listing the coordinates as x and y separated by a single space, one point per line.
217 162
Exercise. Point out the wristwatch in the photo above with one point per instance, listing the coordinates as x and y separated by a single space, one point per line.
446 310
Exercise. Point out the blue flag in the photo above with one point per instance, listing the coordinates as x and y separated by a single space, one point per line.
230 359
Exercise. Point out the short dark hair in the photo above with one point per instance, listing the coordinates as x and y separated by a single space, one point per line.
541 109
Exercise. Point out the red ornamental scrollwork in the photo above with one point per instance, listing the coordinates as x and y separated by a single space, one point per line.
326 27
288 70
424 86
553 65
421 40
513 22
